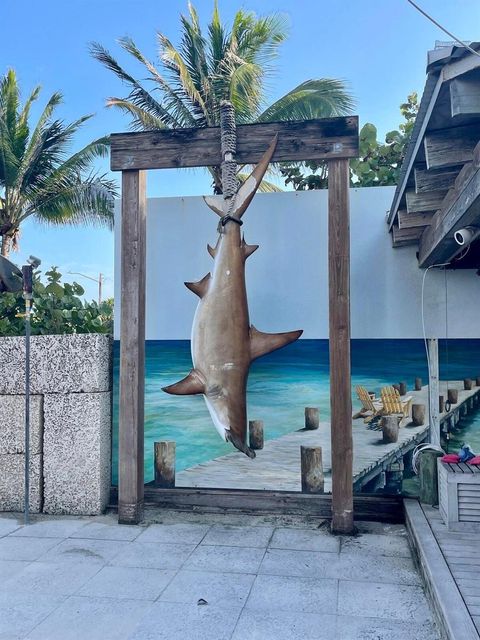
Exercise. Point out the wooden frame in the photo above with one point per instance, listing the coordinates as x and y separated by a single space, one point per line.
331 139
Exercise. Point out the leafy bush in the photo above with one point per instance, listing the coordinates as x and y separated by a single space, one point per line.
57 308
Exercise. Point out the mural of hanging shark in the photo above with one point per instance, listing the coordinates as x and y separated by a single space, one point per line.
224 343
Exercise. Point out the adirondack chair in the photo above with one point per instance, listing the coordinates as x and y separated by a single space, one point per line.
371 407
394 404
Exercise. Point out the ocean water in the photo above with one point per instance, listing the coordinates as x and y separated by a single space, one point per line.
280 386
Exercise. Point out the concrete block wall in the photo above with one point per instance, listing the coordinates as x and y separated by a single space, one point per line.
70 417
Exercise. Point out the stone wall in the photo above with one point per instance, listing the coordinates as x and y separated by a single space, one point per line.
70 423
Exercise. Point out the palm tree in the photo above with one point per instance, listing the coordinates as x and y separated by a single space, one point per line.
227 64
38 176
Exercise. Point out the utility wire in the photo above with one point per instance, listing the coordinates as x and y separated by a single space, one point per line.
463 44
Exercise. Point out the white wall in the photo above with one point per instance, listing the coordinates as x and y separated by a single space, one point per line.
287 278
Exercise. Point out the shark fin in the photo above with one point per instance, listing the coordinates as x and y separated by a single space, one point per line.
189 386
212 251
248 249
216 204
200 287
262 343
249 187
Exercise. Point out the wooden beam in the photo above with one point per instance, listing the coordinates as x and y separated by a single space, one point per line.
435 179
424 202
339 344
411 220
132 348
450 147
403 237
460 208
465 95
200 147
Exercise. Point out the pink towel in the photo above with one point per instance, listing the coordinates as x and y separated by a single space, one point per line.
475 460
451 457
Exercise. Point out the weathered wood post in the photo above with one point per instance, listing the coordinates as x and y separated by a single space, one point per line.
452 396
164 459
418 414
418 384
312 418
402 387
441 404
477 381
255 433
433 390
312 469
390 428
339 345
396 386
132 348
428 477
468 384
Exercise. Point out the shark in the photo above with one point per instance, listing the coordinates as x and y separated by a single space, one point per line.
223 342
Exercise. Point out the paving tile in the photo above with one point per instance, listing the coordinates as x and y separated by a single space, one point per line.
380 600
238 536
374 568
80 618
104 531
172 620
223 589
127 582
51 528
304 540
98 551
284 562
21 612
225 559
177 533
154 555
350 628
281 625
10 568
55 579
292 593
8 525
378 545
12 548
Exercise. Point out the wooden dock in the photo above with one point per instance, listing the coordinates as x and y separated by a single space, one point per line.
277 466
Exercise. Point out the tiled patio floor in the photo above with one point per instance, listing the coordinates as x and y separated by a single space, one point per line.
202 579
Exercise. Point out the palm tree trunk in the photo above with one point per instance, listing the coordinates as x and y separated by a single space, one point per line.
5 248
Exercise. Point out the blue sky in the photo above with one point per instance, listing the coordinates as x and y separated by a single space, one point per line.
377 46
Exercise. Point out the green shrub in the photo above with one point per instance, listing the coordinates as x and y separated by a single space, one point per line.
57 308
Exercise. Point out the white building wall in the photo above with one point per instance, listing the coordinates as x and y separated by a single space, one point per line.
287 278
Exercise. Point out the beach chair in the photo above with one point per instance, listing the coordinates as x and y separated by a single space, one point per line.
371 407
394 404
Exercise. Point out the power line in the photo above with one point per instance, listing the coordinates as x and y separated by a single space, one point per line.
463 44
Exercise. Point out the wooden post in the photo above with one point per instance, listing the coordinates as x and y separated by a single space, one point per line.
418 414
477 381
418 384
396 387
312 418
255 431
468 384
390 428
164 463
311 469
394 477
441 404
433 391
452 396
132 348
339 346
428 477
402 387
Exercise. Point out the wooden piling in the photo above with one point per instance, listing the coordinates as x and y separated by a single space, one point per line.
164 463
418 384
477 381
312 418
255 431
428 477
390 427
441 404
312 470
402 388
396 386
452 396
418 414
468 384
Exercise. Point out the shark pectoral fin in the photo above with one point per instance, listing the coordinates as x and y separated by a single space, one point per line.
248 249
249 187
216 204
191 385
200 287
263 343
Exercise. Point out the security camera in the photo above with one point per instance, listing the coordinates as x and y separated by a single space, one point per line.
35 262
463 237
